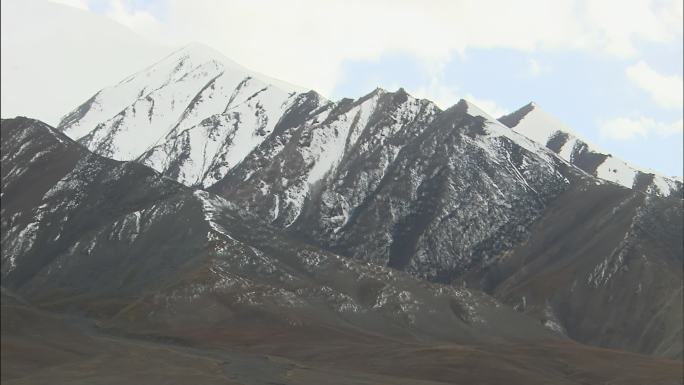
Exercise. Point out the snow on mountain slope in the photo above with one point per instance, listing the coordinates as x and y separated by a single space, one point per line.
169 112
201 153
392 179
495 129
546 130
325 145
328 143
196 115
536 123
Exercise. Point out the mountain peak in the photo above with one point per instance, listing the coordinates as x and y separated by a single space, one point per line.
378 91
37 127
194 47
201 53
535 123
511 120
472 109
179 92
194 55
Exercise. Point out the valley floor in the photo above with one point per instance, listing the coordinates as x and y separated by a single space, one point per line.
40 347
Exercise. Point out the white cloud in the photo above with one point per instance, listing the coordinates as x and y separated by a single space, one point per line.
443 96
641 127
438 91
666 90
488 106
54 57
618 25
140 21
535 68
80 4
307 42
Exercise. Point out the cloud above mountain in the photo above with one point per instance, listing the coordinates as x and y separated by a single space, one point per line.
275 35
666 90
639 127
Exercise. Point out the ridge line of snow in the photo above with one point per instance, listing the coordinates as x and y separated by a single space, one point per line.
540 126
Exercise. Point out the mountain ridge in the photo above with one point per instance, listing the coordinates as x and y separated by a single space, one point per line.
447 195
169 143
532 121
106 259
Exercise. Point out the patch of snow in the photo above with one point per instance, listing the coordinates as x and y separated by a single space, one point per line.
496 129
567 149
329 142
540 126
212 206
616 171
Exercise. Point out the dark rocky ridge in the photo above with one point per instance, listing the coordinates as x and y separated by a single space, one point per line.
512 119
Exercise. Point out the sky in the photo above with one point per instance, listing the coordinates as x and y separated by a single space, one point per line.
610 69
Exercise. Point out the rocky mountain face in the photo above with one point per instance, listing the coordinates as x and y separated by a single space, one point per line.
120 240
603 265
543 128
410 187
449 196
107 259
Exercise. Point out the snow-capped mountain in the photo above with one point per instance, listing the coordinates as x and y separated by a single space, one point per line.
189 115
538 125
203 120
195 115
452 196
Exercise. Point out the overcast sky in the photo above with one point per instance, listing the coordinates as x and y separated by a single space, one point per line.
611 70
